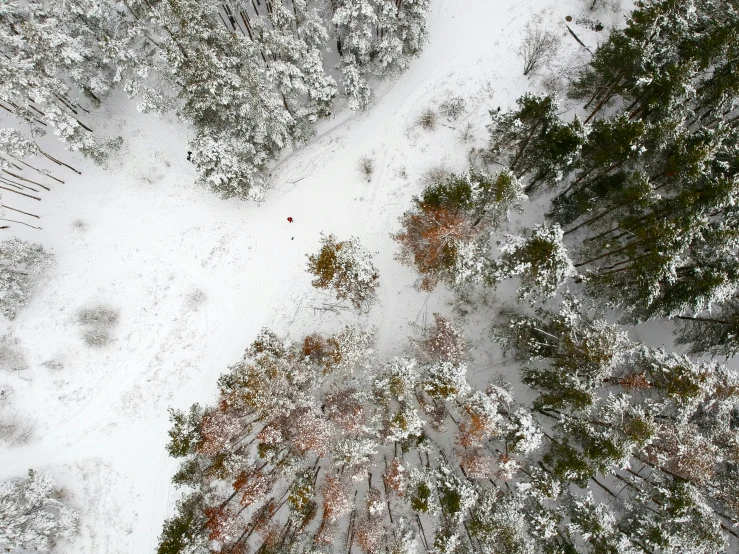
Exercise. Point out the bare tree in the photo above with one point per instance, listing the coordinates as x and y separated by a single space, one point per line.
539 46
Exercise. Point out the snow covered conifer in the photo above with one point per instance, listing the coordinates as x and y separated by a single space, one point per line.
346 268
227 96
47 54
355 85
319 436
444 342
19 261
541 261
377 37
32 515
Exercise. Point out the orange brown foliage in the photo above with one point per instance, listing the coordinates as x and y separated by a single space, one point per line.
428 238
217 519
636 381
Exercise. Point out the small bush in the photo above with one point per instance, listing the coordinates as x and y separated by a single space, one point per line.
435 176
79 225
466 133
453 108
98 322
539 46
427 120
97 337
366 167
99 316
195 298
11 356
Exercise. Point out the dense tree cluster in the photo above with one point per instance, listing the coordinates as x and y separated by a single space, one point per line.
251 78
653 434
647 182
446 232
318 446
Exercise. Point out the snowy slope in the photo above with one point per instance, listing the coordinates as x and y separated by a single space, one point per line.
195 277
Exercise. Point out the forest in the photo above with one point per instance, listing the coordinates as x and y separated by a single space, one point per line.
574 389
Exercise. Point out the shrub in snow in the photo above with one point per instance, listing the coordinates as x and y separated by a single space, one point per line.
435 176
19 261
539 47
32 515
366 167
11 356
347 269
453 108
97 323
427 120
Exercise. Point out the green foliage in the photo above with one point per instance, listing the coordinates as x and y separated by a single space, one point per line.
182 530
184 435
421 497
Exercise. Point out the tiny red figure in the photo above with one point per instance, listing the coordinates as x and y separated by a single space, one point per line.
290 219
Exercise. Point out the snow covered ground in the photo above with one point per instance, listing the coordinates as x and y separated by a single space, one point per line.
195 277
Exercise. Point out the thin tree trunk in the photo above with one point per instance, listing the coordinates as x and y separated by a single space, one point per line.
17 185
36 169
21 193
14 221
26 180
606 98
19 211
53 159
611 253
704 319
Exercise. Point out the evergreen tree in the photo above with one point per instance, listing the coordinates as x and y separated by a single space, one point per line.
19 261
346 268
316 443
34 518
445 234
540 260
44 52
377 37
659 425
716 332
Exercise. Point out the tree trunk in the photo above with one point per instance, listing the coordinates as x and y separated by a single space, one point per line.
19 211
21 193
53 159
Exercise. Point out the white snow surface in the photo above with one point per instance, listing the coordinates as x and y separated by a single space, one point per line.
195 277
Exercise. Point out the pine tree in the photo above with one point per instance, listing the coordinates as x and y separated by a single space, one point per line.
19 261
716 332
656 424
444 236
377 37
33 515
227 96
346 267
540 260
44 49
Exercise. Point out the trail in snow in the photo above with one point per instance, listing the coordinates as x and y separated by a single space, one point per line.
153 240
